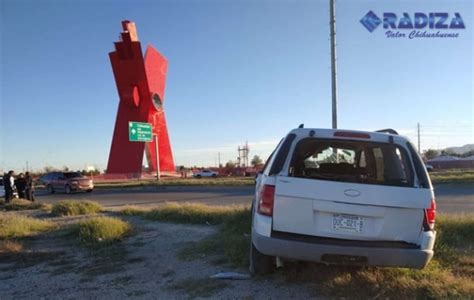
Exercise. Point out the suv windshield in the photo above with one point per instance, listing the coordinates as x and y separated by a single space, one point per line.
72 175
351 161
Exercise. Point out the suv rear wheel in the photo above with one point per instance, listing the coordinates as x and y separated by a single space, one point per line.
259 262
67 189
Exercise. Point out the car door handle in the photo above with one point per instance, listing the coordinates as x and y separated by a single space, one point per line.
284 181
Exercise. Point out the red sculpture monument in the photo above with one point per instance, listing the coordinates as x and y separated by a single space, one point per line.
141 86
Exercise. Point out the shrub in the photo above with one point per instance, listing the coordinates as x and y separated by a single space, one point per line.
73 208
131 210
104 230
14 226
192 213
20 204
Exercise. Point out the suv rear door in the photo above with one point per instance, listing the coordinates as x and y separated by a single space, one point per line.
350 190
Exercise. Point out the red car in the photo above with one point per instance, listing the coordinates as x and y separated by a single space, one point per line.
67 181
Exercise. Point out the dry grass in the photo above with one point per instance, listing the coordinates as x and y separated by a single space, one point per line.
191 213
10 247
232 238
133 210
452 176
17 226
449 275
75 207
434 281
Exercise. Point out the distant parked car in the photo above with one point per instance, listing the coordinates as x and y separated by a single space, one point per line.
66 181
205 173
429 168
343 197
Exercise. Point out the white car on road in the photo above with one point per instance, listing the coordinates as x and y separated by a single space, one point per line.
205 173
343 197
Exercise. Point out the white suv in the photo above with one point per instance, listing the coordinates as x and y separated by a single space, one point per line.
343 197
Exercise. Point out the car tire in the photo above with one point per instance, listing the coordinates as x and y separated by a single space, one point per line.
260 263
89 191
67 189
214 175
50 189
198 176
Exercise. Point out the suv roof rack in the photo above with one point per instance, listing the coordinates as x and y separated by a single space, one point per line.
387 130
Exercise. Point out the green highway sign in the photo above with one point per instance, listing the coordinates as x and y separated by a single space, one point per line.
139 132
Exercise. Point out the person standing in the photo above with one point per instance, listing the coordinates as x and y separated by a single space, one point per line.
9 183
30 187
6 183
21 186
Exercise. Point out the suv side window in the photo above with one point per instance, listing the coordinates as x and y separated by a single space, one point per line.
280 157
266 166
419 167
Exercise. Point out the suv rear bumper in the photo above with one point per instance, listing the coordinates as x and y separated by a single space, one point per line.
319 252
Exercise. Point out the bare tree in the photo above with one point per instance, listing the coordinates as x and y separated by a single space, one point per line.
430 153
256 161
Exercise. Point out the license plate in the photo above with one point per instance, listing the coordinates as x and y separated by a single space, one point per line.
347 223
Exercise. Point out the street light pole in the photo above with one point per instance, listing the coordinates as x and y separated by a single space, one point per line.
157 158
332 22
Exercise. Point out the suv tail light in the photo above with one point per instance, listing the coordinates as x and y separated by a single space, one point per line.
265 203
430 216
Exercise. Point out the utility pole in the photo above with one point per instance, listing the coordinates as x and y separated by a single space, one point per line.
332 22
27 166
219 159
419 147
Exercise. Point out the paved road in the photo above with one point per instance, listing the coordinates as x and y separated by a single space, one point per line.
450 198
455 198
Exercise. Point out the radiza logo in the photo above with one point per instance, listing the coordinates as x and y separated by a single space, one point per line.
370 21
422 25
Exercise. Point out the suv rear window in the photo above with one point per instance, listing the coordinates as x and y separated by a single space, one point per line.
351 161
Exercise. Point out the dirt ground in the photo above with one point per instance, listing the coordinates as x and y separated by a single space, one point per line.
144 265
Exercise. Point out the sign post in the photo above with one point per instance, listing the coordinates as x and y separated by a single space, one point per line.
142 132
157 159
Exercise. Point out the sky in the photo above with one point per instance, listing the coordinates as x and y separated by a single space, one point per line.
237 71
